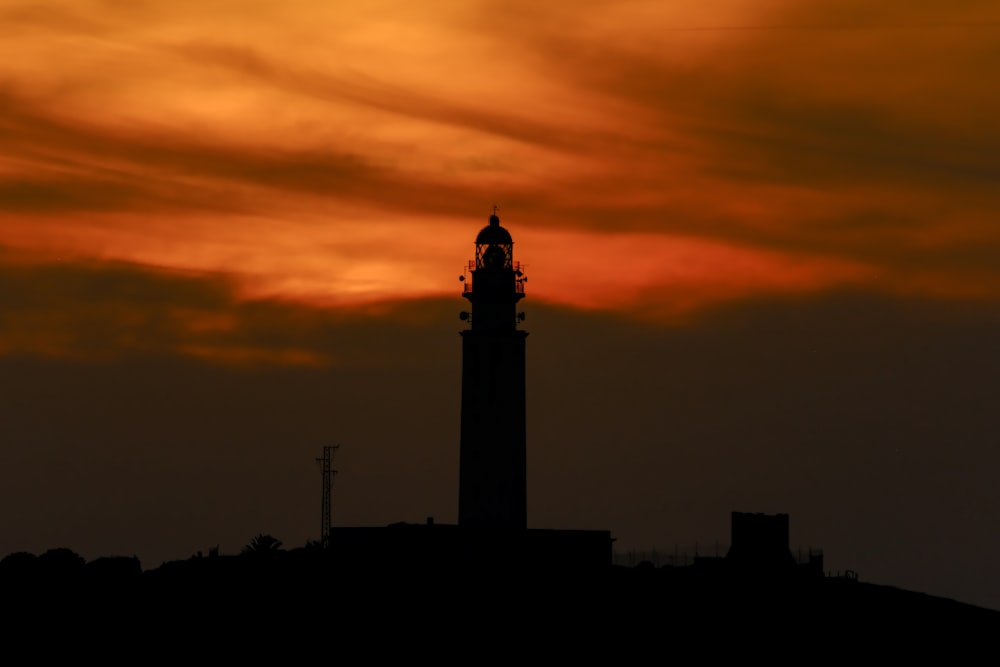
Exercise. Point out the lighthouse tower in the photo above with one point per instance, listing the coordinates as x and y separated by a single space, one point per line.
492 475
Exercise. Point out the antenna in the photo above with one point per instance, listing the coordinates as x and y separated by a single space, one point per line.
328 474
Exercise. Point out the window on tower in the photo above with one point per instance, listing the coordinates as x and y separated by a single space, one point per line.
494 257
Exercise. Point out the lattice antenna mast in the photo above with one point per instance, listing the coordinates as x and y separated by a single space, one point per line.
328 474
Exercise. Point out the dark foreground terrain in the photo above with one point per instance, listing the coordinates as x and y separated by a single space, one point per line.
303 598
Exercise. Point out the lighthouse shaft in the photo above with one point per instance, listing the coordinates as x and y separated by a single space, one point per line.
493 479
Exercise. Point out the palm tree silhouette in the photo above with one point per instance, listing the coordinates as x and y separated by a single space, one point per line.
262 545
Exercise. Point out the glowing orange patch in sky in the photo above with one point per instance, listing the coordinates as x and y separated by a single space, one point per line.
345 155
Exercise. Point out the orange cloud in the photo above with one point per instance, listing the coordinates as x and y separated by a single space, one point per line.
657 276
349 155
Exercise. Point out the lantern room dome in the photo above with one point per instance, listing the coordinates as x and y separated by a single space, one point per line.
494 234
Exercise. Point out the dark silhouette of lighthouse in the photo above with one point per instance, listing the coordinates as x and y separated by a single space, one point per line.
492 533
492 474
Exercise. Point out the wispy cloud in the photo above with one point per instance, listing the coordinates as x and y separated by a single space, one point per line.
111 311
836 142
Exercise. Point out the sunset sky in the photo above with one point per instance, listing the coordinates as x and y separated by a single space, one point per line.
761 237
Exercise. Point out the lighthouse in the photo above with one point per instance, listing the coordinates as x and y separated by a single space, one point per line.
492 533
492 457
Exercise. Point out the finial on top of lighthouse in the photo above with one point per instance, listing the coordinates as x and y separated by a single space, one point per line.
494 242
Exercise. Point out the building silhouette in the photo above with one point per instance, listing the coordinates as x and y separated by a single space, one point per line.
492 530
467 577
760 542
493 475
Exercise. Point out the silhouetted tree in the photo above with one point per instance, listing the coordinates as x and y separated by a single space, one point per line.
60 566
115 568
262 545
62 559
19 565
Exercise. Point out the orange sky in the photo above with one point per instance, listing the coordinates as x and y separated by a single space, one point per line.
760 237
685 153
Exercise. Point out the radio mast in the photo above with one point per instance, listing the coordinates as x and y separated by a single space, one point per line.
328 474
